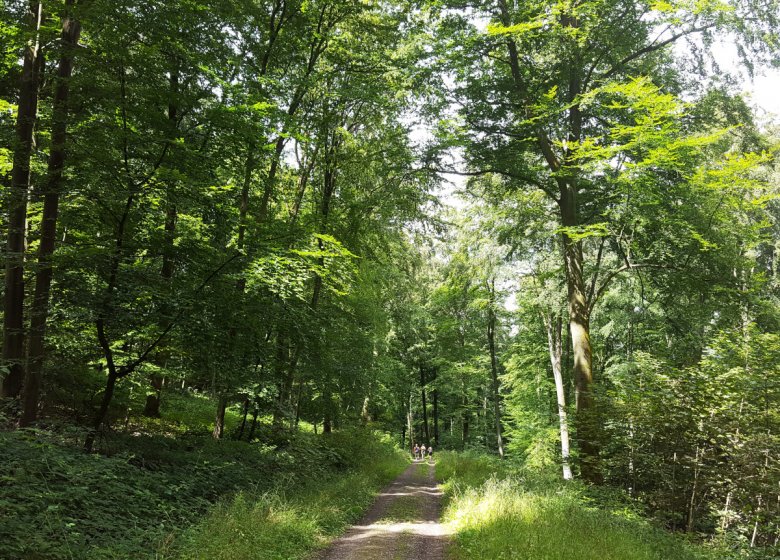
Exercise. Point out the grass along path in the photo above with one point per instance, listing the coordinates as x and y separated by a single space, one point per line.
499 512
403 524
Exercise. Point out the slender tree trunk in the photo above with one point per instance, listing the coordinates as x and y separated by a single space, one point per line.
694 489
298 398
410 423
555 345
364 414
327 421
153 401
435 410
270 181
579 306
152 404
71 31
243 419
27 114
219 418
485 423
283 379
97 425
465 420
424 407
491 336
255 414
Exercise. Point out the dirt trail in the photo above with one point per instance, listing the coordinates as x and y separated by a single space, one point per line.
403 523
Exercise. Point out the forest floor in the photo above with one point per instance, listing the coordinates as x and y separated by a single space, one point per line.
404 523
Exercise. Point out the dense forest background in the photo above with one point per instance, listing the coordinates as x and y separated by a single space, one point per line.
236 205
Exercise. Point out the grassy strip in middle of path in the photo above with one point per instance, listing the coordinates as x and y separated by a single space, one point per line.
290 524
501 512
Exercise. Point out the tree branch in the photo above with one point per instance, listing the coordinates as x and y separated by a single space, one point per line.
128 368
654 47
612 275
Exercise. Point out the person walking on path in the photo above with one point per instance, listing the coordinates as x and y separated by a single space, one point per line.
416 452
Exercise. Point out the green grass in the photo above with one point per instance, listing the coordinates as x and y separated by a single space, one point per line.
141 497
186 412
498 512
288 525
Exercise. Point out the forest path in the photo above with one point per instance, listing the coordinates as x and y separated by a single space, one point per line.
402 524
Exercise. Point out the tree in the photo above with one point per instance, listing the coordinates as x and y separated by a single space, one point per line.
26 116
527 83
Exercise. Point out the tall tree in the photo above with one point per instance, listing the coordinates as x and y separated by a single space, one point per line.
26 116
39 313
525 86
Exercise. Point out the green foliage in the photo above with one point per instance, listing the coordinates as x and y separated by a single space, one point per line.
60 503
292 523
500 511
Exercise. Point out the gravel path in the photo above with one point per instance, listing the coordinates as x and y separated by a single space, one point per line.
403 523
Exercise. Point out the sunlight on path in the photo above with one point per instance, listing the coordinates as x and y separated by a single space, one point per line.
403 523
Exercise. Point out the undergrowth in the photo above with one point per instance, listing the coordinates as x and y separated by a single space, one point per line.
143 494
500 511
287 524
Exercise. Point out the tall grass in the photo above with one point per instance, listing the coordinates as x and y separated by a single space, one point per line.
502 513
289 523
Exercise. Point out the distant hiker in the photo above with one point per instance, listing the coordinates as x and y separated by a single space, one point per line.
430 452
416 451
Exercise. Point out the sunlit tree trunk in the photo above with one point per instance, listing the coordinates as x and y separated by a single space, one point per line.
219 418
491 336
555 347
578 303
465 421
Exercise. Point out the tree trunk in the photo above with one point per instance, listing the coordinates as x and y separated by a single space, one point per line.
435 411
240 434
255 414
299 396
465 418
219 418
579 329
365 417
327 421
100 417
579 308
410 424
491 335
71 31
152 405
283 380
27 113
424 407
555 345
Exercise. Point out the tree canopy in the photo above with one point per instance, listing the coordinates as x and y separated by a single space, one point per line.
248 201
